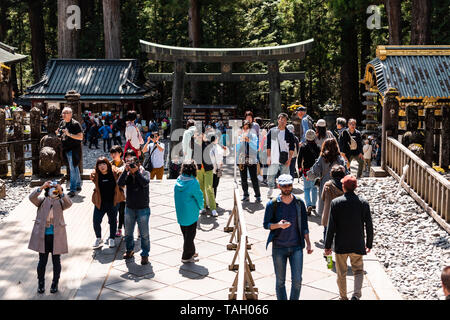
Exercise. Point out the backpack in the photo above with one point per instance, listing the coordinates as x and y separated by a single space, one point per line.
352 143
310 122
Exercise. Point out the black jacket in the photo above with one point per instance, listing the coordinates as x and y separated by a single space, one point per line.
137 188
344 142
308 155
349 216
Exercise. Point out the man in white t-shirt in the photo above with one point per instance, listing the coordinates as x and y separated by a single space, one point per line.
156 152
280 151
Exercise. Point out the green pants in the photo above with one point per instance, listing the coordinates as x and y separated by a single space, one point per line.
205 178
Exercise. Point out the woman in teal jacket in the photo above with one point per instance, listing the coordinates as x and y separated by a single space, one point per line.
188 203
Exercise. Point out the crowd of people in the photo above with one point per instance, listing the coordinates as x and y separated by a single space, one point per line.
274 155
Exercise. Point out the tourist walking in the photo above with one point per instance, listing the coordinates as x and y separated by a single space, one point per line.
340 126
329 156
94 135
188 138
205 171
117 140
322 133
71 136
118 165
287 221
188 203
137 210
107 135
306 123
308 154
106 198
350 219
217 154
367 151
247 148
331 190
133 135
280 151
49 231
154 161
352 146
293 166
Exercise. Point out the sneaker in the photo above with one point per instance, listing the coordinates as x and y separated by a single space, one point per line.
354 298
246 198
309 210
191 260
144 261
195 255
258 199
128 255
214 213
111 243
71 194
119 233
97 243
203 211
260 178
78 188
270 193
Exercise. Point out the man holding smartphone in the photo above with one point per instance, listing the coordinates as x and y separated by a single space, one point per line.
137 209
286 218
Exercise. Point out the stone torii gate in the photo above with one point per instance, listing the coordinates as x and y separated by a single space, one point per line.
226 57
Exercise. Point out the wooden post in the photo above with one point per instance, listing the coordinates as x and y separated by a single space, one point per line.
429 134
177 109
35 126
444 148
390 121
3 150
73 101
18 135
274 87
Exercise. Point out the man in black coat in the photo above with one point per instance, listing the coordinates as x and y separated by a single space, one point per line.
351 145
349 216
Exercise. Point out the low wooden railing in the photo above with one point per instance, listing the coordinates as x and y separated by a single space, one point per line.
424 184
243 287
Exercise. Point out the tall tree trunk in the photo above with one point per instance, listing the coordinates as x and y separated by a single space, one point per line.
37 38
349 71
4 23
111 23
420 22
393 8
67 38
194 41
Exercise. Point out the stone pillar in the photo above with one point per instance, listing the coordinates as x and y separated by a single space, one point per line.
177 109
35 126
3 150
274 87
444 154
73 101
390 121
429 134
18 116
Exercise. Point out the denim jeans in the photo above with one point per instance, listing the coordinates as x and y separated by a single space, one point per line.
273 171
310 192
111 211
75 178
280 256
141 217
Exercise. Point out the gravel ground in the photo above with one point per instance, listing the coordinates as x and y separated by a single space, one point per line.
15 193
409 243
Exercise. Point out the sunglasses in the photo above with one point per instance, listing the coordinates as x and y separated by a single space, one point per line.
286 186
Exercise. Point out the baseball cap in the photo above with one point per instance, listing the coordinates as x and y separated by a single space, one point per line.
321 123
301 108
349 182
285 179
310 135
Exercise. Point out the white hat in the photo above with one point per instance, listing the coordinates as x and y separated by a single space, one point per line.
290 127
310 135
285 179
321 123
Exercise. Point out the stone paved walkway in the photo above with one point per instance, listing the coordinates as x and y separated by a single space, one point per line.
103 274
